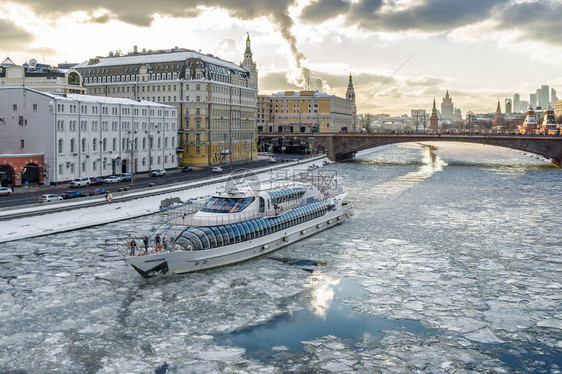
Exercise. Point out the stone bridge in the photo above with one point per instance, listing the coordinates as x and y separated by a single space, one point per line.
340 146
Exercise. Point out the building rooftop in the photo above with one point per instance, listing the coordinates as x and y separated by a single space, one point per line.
156 58
91 99
301 94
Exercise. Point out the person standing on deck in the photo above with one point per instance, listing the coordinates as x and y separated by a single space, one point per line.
145 242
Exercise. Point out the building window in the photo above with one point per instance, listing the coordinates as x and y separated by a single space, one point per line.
60 169
83 166
35 107
94 144
84 145
22 143
71 145
114 148
197 150
15 106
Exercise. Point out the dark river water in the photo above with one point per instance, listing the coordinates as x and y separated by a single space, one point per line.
451 263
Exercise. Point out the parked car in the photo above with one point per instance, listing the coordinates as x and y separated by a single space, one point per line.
272 160
72 195
217 169
112 179
98 191
187 169
49 197
5 191
80 182
158 173
126 177
96 181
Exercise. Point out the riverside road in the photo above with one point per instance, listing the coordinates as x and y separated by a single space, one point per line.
25 196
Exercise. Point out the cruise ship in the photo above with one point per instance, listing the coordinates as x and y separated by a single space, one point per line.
236 225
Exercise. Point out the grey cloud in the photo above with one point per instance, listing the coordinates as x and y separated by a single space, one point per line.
539 20
379 15
425 81
323 10
12 36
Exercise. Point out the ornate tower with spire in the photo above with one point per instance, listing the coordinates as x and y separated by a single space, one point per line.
498 118
350 95
549 126
249 64
530 125
434 119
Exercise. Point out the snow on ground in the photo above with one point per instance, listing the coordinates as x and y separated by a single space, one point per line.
20 228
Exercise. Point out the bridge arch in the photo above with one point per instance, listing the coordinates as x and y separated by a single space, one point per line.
344 146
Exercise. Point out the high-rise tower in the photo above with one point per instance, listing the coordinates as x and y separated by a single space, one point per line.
447 107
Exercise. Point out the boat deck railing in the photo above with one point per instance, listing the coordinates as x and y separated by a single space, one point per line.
124 247
186 216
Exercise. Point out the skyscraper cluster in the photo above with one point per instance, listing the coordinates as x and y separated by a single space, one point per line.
542 98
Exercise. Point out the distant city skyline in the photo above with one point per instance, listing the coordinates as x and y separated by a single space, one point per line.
479 50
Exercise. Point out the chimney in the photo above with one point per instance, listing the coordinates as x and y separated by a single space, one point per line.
135 49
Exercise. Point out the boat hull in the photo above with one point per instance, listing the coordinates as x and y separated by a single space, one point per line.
180 262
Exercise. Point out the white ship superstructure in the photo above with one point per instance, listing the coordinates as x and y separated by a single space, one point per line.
237 225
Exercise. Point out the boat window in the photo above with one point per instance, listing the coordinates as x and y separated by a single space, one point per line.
218 235
225 236
231 234
227 205
197 244
210 235
242 230
236 233
253 228
202 236
262 205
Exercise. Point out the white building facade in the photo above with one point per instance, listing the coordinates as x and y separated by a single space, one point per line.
86 136
216 99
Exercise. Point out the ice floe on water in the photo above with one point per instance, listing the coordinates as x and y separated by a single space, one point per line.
458 272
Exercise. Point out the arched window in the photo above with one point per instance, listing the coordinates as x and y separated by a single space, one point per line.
114 144
83 144
72 145
173 141
94 144
136 143
104 144
60 146
123 144
143 143
159 143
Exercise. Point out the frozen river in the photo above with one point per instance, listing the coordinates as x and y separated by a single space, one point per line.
452 263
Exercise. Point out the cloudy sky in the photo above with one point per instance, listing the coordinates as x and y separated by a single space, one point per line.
480 50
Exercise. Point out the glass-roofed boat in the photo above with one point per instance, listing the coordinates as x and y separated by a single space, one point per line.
236 225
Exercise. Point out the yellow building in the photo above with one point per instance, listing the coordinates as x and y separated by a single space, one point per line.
558 111
305 112
216 99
